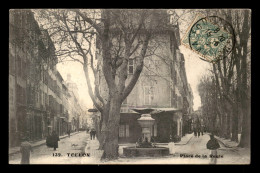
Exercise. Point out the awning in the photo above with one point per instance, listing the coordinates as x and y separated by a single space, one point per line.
155 110
143 110
129 113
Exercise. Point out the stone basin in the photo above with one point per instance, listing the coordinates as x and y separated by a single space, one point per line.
150 152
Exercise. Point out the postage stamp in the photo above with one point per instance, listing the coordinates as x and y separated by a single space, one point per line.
211 37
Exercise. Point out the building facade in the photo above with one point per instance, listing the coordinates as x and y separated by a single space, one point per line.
38 96
162 87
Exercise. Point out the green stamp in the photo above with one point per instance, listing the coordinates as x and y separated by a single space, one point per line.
210 37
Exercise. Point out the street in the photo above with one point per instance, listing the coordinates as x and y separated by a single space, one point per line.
194 152
44 155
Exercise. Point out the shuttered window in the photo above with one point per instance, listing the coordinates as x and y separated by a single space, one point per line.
121 131
155 130
130 66
124 130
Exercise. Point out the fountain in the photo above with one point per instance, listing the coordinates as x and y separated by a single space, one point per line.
144 146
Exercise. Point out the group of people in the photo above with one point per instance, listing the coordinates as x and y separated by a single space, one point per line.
52 140
92 134
199 130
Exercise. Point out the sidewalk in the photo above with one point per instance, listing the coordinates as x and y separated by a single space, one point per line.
184 140
15 150
227 142
242 154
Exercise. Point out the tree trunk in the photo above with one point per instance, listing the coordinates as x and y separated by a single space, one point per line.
246 126
235 125
111 142
110 129
228 123
245 90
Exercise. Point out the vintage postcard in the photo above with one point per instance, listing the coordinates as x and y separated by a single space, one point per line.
129 86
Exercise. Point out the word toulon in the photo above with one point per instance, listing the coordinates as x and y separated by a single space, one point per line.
72 154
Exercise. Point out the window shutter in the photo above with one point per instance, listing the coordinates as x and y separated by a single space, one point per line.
155 129
121 131
126 130
130 66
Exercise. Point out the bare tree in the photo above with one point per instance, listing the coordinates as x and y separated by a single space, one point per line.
117 36
232 80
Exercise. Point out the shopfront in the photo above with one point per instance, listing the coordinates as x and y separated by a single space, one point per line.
167 127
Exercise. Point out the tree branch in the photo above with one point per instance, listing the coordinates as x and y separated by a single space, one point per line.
88 20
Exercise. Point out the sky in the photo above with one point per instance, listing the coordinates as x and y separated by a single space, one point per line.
75 69
195 69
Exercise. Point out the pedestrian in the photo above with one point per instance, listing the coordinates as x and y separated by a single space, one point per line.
68 133
25 149
213 145
55 139
91 134
49 140
195 132
94 134
202 129
205 129
198 132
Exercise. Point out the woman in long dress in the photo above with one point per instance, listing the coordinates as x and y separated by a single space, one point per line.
213 145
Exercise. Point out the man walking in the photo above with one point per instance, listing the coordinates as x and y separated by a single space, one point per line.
25 150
